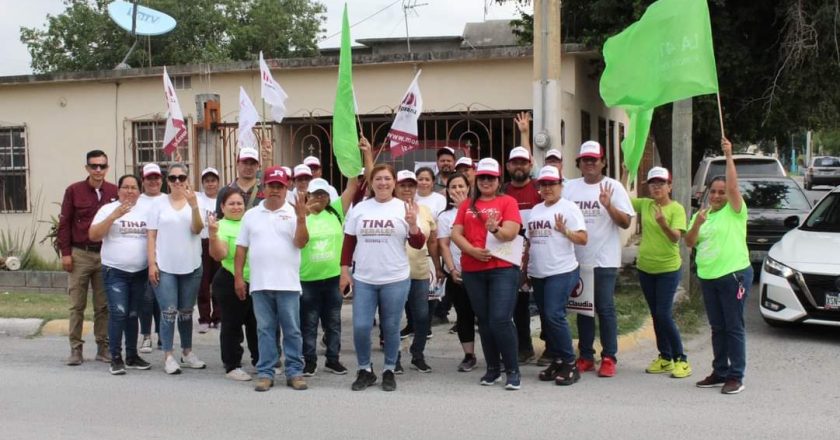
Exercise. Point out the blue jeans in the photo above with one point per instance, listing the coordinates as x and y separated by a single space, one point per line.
659 290
275 310
418 303
726 317
391 299
604 278
176 294
493 295
149 310
125 292
555 291
322 301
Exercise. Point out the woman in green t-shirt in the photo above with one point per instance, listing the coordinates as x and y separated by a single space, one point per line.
719 233
236 311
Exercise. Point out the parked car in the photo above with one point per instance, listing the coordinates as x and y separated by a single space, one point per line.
775 206
800 278
744 164
823 170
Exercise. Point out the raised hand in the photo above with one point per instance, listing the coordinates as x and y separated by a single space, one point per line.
458 198
701 217
560 223
726 146
212 224
605 198
121 210
364 144
411 213
265 150
189 194
522 121
300 205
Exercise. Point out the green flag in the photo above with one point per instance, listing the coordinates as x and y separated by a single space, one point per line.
633 144
345 140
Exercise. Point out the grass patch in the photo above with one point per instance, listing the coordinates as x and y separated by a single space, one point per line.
690 314
46 306
630 306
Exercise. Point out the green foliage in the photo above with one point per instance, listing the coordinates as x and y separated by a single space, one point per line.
83 37
827 142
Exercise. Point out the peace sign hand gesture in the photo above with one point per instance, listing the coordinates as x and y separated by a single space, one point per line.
190 195
212 224
605 198
701 217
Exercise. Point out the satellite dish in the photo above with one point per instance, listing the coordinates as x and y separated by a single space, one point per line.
149 21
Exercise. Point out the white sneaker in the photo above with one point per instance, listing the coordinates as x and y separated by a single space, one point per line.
203 328
192 361
146 345
171 366
238 374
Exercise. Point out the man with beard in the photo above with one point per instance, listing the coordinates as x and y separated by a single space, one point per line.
445 166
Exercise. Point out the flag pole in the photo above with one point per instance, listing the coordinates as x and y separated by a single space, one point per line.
720 113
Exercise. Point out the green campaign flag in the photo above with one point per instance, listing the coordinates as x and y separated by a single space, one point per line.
633 144
345 141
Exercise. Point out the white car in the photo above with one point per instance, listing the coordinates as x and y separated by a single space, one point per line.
800 278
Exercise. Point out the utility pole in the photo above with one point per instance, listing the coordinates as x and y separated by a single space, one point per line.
681 123
546 84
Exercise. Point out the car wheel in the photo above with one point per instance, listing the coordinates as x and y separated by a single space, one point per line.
778 324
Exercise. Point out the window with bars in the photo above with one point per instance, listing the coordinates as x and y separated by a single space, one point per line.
14 170
148 146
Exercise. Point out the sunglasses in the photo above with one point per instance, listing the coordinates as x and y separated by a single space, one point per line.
98 166
179 178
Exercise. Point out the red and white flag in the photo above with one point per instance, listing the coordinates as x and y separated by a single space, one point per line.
176 129
248 118
272 93
403 133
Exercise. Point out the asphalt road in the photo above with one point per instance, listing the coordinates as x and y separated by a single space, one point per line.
793 391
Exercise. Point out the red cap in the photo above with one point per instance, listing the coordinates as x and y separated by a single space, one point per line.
276 174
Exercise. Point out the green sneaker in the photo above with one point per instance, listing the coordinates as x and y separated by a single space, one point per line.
681 369
660 365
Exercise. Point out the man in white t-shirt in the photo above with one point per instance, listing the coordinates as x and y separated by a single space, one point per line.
209 314
271 236
607 209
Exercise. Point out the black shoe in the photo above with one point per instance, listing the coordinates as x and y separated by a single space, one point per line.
364 379
335 367
550 373
421 366
309 369
526 357
467 364
732 386
389 382
567 375
398 369
490 377
453 329
406 332
429 335
117 366
137 363
711 381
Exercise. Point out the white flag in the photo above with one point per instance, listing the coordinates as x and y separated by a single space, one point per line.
176 129
272 93
403 133
248 118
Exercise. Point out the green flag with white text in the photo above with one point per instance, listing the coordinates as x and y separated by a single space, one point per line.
345 140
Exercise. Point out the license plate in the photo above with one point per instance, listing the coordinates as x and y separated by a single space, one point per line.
832 300
757 256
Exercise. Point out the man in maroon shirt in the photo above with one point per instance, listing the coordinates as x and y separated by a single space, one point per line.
80 255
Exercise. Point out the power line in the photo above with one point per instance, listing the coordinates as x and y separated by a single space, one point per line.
361 21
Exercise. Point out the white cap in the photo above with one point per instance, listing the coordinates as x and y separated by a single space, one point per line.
319 184
249 153
312 161
151 168
659 173
487 167
590 149
406 175
445 150
287 170
302 170
210 170
554 153
519 153
549 173
465 161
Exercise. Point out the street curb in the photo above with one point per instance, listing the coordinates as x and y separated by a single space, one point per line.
626 342
21 327
61 327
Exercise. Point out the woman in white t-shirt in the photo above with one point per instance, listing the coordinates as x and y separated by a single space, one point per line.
121 226
426 194
554 227
375 234
175 265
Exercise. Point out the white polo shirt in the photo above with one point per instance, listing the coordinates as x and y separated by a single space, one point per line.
272 255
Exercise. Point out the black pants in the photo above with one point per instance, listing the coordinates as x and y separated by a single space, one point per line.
235 314
522 321
457 295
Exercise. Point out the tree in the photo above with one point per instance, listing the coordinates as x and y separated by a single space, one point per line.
83 37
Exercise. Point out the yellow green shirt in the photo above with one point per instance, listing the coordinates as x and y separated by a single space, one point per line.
722 243
657 253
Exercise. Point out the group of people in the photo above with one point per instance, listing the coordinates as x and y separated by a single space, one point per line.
270 259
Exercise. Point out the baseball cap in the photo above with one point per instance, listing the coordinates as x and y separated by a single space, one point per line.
319 184
302 170
312 161
445 150
210 170
464 161
549 173
487 167
519 153
249 153
590 149
150 169
406 175
287 170
658 173
275 174
554 153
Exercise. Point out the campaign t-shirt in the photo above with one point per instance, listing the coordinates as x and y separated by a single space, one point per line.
177 250
526 197
722 242
603 248
551 252
445 221
381 233
505 208
228 232
418 259
207 205
657 253
124 247
273 256
321 257
434 201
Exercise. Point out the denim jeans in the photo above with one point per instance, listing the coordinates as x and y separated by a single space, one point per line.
659 290
235 314
539 300
418 303
322 301
125 292
555 291
149 311
493 294
390 298
604 280
276 309
726 317
176 294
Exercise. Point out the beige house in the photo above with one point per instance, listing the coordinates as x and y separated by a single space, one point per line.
472 86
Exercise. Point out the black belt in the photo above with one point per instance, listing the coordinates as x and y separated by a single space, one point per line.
89 248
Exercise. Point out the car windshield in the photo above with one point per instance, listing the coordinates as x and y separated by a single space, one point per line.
757 167
826 216
773 194
827 162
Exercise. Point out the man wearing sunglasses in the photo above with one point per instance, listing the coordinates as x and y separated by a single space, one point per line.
80 256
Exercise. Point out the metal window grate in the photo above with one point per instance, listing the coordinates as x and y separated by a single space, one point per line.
14 170
148 146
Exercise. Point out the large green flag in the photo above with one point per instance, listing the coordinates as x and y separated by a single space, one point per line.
345 141
633 144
